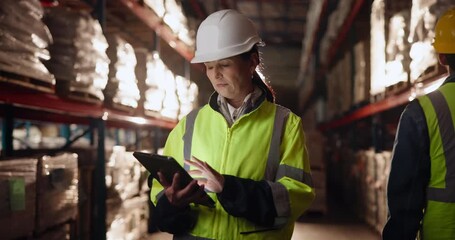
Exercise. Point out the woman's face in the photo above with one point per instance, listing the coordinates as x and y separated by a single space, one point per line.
231 77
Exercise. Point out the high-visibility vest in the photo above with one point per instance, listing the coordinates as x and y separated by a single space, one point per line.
265 144
439 216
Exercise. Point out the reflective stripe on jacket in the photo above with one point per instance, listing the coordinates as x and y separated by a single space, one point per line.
439 216
242 150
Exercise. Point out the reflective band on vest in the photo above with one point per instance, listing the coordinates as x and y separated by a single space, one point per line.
273 160
447 133
188 136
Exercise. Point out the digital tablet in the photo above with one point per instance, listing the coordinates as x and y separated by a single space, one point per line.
168 166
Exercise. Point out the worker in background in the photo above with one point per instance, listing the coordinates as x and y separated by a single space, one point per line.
421 187
249 151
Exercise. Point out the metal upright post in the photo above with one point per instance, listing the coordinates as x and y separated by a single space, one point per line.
7 131
98 230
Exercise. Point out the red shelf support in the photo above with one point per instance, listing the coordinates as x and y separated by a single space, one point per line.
155 23
306 59
377 107
344 30
40 106
371 109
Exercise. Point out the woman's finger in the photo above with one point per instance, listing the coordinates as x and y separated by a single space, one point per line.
195 172
201 181
176 181
193 163
163 180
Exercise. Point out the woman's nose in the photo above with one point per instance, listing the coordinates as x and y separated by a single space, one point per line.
217 73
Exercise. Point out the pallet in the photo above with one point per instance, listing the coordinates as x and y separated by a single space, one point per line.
120 107
396 88
377 97
151 113
63 90
82 96
27 82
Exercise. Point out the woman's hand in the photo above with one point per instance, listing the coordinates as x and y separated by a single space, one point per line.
181 197
212 180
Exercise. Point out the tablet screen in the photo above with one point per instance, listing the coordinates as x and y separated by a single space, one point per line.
168 166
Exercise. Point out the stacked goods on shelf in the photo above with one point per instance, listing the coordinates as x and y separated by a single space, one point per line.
166 81
131 219
149 71
335 22
17 198
57 191
163 93
127 200
377 50
370 197
143 57
339 87
78 54
315 146
187 95
122 87
160 98
397 54
124 174
406 57
312 23
421 35
372 174
424 63
24 39
361 84
315 143
61 232
383 161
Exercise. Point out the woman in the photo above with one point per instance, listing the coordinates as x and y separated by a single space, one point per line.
246 151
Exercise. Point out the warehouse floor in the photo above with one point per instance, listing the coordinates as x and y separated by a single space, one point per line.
337 224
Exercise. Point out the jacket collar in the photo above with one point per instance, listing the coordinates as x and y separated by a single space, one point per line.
213 101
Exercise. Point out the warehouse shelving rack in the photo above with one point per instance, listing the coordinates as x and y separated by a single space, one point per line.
367 126
17 103
367 110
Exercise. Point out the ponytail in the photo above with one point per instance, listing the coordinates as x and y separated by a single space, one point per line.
269 93
257 80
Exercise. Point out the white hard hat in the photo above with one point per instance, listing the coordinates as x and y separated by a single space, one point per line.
224 34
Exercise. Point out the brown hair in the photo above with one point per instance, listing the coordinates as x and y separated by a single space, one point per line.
257 80
451 61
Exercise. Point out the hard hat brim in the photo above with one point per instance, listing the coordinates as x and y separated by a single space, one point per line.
227 52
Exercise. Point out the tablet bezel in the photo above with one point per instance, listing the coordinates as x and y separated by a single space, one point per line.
168 166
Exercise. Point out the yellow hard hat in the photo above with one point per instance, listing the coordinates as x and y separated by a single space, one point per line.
444 40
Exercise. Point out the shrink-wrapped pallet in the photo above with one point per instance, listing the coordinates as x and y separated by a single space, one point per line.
17 197
61 232
123 172
122 86
57 190
78 54
24 39
130 219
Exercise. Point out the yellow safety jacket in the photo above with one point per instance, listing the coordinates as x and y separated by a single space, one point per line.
255 147
439 216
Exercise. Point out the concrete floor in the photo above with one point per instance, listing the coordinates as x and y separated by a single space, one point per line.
337 224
